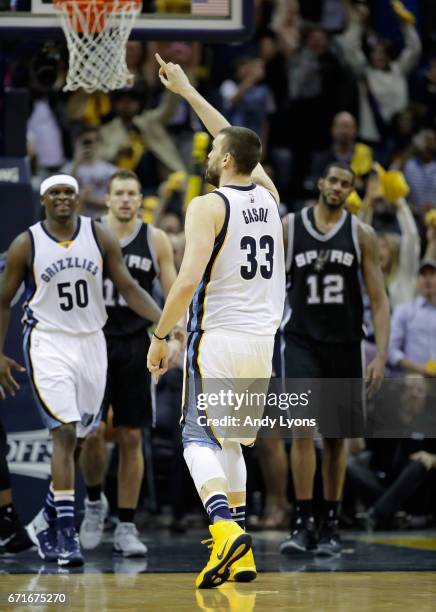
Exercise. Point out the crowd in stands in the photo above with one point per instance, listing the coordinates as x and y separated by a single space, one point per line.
322 81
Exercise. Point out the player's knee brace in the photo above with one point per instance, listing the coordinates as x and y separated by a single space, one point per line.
203 464
233 464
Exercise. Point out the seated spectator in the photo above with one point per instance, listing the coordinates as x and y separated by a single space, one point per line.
138 140
420 171
393 475
92 173
413 332
383 89
247 101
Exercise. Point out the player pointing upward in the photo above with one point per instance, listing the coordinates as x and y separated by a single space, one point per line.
232 278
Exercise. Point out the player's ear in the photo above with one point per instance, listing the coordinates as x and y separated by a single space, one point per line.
320 183
226 159
107 200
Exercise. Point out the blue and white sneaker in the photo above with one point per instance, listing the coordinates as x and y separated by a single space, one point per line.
70 554
44 536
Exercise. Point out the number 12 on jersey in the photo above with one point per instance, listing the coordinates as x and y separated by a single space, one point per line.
327 289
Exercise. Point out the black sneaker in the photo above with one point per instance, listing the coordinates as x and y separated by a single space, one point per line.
302 539
329 541
13 536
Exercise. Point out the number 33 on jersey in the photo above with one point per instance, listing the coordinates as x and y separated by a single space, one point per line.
243 287
64 290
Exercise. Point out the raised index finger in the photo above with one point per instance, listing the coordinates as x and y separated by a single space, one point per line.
159 60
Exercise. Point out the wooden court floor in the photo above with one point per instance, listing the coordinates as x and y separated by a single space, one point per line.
314 592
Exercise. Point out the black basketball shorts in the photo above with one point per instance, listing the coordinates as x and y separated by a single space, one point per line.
334 373
129 388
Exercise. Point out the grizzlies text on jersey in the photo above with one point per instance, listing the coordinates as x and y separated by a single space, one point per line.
64 287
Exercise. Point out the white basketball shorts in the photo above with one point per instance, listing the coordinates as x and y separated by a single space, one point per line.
223 363
68 376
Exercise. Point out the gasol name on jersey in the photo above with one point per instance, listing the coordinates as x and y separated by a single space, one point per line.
255 215
67 263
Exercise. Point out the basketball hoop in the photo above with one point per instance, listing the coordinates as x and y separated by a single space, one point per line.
97 33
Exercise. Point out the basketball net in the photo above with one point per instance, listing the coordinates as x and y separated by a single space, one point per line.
97 33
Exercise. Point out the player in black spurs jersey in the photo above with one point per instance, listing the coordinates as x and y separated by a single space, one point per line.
148 255
327 251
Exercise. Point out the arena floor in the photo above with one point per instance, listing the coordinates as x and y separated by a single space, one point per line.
374 573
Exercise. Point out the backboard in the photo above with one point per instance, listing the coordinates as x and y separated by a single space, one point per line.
203 20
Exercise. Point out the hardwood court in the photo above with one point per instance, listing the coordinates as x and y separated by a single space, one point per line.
375 572
338 592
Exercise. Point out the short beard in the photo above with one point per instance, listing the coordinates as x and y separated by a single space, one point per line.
332 206
212 177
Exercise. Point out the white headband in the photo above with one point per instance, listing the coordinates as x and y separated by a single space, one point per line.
58 179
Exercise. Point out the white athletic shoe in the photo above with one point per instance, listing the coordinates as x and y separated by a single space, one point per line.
36 525
127 542
44 536
91 529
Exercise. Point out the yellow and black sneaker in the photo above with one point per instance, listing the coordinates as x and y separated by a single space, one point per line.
229 543
244 569
230 597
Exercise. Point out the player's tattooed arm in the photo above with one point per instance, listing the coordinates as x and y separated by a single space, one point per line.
137 299
378 298
18 260
175 79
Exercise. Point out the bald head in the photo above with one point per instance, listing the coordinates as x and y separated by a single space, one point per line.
344 129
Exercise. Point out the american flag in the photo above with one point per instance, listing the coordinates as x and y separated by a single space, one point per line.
212 8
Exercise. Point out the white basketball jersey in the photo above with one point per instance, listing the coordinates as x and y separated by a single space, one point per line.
243 287
65 285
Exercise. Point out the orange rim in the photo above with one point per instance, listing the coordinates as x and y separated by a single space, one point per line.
95 19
